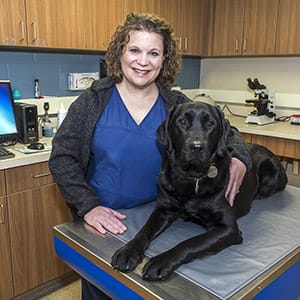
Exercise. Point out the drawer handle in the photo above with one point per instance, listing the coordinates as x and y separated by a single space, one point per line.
2 219
42 175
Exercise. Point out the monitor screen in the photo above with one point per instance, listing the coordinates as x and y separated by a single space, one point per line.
8 125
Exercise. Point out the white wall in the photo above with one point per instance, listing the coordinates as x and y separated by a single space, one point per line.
279 73
226 80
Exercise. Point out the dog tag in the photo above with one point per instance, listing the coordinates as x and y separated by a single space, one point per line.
212 171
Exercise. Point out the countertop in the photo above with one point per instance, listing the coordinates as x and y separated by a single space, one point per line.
278 129
22 159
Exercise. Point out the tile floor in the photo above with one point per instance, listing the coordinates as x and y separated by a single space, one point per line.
71 291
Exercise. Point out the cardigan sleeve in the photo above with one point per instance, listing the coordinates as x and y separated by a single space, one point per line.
70 155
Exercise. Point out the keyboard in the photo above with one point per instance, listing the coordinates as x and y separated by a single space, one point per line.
4 153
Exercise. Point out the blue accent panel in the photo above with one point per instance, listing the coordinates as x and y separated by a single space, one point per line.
93 273
189 78
52 69
286 286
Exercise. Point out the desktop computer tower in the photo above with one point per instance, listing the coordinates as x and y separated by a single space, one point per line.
27 122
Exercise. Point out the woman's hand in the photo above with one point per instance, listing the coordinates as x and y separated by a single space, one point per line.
237 171
103 218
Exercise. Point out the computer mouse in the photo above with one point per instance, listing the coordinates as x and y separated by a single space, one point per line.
36 146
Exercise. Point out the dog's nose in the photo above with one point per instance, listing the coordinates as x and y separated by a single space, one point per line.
196 145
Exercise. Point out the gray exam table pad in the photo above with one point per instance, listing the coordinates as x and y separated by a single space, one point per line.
270 232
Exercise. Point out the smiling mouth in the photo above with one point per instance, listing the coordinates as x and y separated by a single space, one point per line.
141 71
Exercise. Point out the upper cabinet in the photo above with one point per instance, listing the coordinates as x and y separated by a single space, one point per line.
138 6
55 23
288 30
201 27
189 19
244 27
101 19
47 23
13 29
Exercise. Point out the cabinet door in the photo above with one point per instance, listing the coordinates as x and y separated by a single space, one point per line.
288 30
12 23
32 215
101 20
190 22
260 27
6 281
228 27
55 23
138 6
171 11
280 147
2 184
195 26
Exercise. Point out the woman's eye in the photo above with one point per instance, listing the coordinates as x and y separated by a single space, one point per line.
133 50
155 53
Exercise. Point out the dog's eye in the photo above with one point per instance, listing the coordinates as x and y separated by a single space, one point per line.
181 122
210 123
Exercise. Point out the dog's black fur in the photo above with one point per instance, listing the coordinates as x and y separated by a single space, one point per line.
192 184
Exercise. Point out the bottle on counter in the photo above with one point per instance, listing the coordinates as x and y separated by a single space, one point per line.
60 115
37 93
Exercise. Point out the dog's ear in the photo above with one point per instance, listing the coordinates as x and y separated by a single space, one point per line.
163 135
225 131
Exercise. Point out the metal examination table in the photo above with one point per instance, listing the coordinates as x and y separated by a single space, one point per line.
265 266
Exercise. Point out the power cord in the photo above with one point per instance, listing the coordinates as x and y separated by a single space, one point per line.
232 113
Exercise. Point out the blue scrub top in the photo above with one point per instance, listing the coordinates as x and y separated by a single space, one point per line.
125 157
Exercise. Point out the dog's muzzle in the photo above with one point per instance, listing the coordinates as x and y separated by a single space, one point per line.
196 145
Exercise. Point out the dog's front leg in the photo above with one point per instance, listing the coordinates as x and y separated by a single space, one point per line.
130 255
216 239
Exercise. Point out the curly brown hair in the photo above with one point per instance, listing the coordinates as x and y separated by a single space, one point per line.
150 23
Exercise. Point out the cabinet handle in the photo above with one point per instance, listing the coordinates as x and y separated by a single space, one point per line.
34 35
245 45
2 219
22 31
41 175
236 45
179 41
185 40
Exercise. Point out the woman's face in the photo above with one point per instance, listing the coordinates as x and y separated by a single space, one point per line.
142 58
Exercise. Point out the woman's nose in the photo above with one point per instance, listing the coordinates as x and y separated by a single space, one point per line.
142 59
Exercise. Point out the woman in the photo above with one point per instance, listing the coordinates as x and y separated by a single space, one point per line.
105 154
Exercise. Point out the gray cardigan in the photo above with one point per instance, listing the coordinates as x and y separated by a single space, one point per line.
71 145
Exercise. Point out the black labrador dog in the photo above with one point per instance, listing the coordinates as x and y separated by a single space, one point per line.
192 185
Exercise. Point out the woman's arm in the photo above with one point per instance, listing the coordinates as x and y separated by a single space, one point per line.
70 155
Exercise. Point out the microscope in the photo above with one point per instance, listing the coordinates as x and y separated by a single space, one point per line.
264 104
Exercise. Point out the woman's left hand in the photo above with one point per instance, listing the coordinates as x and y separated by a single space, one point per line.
237 171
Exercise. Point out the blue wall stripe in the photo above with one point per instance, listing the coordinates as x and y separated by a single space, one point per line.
52 69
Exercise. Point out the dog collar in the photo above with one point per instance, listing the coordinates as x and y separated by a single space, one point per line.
212 172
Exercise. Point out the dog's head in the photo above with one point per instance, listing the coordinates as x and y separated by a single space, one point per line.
194 133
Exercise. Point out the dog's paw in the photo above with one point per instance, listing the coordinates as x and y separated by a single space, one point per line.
157 268
126 258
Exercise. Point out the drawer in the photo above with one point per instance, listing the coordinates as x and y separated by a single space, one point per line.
27 177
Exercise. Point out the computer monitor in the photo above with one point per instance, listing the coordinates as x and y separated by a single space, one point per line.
8 125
